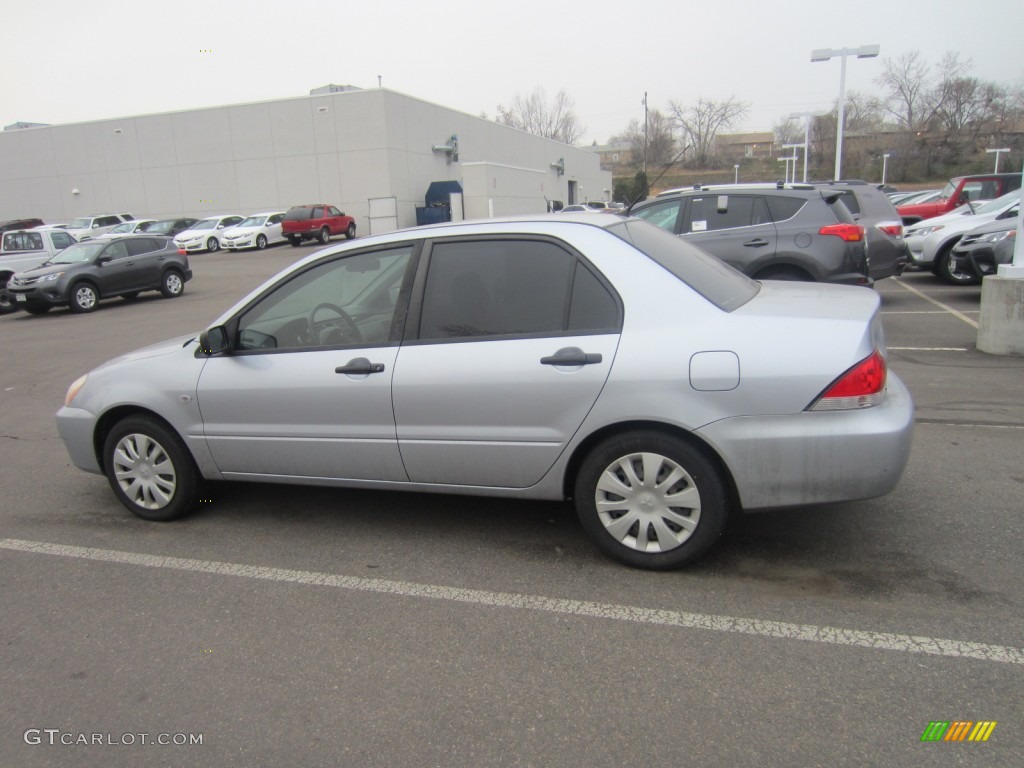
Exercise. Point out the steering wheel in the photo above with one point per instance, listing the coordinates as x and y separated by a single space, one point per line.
347 327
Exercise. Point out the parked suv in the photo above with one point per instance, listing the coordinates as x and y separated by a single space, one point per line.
962 189
319 221
767 231
83 273
86 227
888 254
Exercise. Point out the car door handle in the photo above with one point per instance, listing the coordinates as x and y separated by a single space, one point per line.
757 243
360 365
572 356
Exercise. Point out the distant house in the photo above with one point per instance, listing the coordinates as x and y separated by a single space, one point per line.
740 146
614 154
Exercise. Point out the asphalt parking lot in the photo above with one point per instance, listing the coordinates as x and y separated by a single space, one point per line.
298 626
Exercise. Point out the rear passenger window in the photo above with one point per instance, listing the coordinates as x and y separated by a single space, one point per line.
706 216
139 245
662 215
783 208
592 307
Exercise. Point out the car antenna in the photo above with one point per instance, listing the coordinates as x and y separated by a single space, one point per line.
649 184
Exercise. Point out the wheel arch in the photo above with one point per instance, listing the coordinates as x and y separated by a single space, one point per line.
106 422
582 450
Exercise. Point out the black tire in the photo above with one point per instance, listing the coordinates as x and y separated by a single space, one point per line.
324 236
350 233
261 242
150 470
37 309
213 245
172 284
945 269
7 304
130 296
638 527
83 297
295 241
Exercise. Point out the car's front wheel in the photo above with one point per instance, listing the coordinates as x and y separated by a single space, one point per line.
6 302
84 297
150 470
172 284
948 272
34 308
213 245
651 500
261 242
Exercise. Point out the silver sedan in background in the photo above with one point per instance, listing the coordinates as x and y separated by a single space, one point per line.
592 358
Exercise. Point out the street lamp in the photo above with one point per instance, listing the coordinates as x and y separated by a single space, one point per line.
885 162
997 153
736 180
824 54
794 157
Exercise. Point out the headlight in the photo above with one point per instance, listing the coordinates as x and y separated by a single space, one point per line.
924 231
996 237
75 388
50 278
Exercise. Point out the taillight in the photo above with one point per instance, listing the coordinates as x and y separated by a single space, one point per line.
860 387
851 233
891 228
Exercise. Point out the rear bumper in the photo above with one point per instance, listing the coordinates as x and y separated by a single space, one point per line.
817 457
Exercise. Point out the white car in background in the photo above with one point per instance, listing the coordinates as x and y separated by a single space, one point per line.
931 241
135 227
256 231
88 227
206 234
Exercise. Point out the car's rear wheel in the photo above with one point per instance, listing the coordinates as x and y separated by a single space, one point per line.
150 470
350 233
84 297
172 285
261 242
325 235
295 241
651 500
947 270
213 245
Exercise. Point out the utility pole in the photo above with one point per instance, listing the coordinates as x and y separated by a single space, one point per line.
645 133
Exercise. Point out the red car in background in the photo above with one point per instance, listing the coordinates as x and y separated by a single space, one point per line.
316 221
960 190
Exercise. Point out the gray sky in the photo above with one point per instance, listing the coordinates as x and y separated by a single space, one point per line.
71 61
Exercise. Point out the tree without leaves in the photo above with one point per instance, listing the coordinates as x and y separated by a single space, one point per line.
534 114
905 80
701 123
661 144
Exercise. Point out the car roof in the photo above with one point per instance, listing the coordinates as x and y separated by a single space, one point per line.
759 186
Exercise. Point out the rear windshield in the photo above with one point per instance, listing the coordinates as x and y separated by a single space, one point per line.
299 214
716 281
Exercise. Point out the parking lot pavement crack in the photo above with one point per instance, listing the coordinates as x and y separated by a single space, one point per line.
884 641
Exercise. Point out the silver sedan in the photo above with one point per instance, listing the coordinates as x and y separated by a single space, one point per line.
565 356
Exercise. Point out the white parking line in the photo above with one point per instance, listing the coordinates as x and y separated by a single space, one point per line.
940 305
960 649
928 349
926 312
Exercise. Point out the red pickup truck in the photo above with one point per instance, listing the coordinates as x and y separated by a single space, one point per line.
962 189
316 221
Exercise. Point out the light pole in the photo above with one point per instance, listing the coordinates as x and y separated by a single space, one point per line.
885 163
794 157
824 54
997 153
736 178
645 133
807 132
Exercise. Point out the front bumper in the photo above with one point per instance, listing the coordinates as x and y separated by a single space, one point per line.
192 247
817 457
76 427
53 293
978 261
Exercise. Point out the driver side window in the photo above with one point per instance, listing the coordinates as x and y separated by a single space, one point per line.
348 302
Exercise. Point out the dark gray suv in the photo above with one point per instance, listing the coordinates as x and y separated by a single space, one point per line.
83 273
767 231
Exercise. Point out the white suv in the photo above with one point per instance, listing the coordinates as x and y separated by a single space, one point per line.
88 227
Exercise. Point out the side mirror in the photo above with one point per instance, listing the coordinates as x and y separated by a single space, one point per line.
103 260
214 341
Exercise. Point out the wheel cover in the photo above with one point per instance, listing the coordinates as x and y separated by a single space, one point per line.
648 502
213 244
85 297
173 283
144 471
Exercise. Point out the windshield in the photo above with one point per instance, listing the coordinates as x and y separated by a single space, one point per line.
949 190
122 228
205 224
994 206
80 224
252 221
79 253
